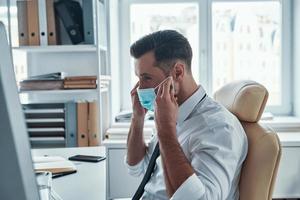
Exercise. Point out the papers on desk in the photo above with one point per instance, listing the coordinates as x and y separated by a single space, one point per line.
54 164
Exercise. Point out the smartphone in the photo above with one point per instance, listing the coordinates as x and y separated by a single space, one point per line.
86 158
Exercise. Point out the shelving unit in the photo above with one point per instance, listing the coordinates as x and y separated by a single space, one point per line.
75 60
57 48
74 92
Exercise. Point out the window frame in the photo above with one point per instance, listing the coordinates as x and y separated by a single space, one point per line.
205 49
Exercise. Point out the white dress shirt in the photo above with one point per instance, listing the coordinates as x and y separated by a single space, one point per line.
214 142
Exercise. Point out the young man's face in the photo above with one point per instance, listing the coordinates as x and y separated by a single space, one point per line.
149 75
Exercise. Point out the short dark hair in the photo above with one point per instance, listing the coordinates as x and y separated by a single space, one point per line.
167 45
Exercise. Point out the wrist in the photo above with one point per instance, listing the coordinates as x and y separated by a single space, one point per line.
167 130
137 119
166 126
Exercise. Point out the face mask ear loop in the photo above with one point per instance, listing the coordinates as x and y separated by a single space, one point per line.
162 82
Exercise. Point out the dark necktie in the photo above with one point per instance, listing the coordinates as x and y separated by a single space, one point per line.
138 194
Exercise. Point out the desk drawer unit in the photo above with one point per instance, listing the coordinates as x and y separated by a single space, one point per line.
288 178
51 125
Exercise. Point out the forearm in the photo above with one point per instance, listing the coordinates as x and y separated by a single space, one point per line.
136 147
169 187
176 164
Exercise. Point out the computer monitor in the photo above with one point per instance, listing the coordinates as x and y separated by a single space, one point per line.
17 178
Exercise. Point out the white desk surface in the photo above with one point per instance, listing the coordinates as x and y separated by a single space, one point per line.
89 182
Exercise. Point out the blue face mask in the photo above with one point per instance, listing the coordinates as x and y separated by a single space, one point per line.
147 96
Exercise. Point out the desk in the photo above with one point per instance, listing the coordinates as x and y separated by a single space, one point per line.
88 182
287 182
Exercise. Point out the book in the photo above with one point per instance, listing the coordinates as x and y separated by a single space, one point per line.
89 86
53 164
76 78
80 82
26 85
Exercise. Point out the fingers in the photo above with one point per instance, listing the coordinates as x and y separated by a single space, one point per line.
166 88
174 99
159 91
133 91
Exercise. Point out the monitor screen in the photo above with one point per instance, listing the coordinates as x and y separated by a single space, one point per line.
16 170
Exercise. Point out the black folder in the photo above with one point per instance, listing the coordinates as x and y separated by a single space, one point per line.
70 13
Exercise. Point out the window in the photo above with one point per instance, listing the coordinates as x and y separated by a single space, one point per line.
231 40
150 17
261 63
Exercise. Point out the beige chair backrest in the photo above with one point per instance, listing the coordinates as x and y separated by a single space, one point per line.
247 100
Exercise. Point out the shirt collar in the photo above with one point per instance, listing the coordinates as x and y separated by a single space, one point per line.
188 105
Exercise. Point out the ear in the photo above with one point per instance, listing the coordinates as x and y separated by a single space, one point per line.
179 71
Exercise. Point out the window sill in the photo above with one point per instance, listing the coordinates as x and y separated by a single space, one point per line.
287 128
278 123
283 123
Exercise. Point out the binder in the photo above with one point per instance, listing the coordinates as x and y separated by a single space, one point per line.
33 22
51 24
22 23
88 22
102 24
42 18
82 124
93 124
71 124
70 13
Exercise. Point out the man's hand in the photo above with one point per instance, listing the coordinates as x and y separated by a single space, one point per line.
136 147
166 108
137 109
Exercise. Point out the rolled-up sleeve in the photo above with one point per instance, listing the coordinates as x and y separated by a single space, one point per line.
191 186
141 167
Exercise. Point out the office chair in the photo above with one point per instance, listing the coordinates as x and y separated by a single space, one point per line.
247 100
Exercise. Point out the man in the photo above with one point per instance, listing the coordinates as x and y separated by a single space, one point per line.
202 145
